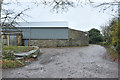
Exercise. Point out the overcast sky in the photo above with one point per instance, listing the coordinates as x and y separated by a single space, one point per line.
80 18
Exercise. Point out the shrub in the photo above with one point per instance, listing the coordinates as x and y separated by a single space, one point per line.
11 63
103 43
95 36
9 54
118 48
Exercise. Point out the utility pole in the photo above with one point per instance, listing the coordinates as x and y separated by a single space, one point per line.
0 28
0 41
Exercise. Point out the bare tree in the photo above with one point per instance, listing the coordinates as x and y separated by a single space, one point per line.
112 5
56 5
10 17
62 6
59 5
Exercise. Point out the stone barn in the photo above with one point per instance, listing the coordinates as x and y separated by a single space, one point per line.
51 34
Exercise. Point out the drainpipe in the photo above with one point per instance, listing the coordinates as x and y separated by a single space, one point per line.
29 37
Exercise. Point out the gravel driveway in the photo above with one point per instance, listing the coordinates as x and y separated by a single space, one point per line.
74 62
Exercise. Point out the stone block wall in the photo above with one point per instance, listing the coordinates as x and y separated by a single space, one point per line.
75 38
49 43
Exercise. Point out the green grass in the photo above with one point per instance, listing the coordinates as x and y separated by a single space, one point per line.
18 48
11 63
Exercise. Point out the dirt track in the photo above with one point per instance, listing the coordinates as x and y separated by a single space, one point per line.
75 62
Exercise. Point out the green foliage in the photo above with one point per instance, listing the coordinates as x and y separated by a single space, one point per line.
11 63
95 36
106 33
8 54
118 47
8 59
103 43
113 33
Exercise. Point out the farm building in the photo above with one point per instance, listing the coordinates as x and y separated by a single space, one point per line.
44 34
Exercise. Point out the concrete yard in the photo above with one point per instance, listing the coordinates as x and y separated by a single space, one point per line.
74 62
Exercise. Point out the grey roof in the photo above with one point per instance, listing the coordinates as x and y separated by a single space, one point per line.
43 24
42 32
45 33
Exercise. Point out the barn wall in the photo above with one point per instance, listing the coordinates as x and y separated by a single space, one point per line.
75 38
49 43
45 33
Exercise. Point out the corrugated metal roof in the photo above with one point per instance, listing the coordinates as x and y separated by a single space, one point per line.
42 32
43 24
45 33
42 27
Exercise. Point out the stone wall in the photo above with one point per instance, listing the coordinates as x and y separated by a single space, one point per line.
76 38
49 43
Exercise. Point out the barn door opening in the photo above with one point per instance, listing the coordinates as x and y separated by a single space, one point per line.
13 40
26 43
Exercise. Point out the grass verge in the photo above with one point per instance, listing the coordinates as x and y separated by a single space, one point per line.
113 54
66 46
18 48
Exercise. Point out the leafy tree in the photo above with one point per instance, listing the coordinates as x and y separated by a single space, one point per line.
95 36
106 31
115 32
106 34
112 33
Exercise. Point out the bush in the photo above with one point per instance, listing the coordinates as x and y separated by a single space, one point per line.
118 48
95 36
103 43
11 63
8 55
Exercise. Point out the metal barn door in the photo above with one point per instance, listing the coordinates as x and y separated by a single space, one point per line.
13 40
26 42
